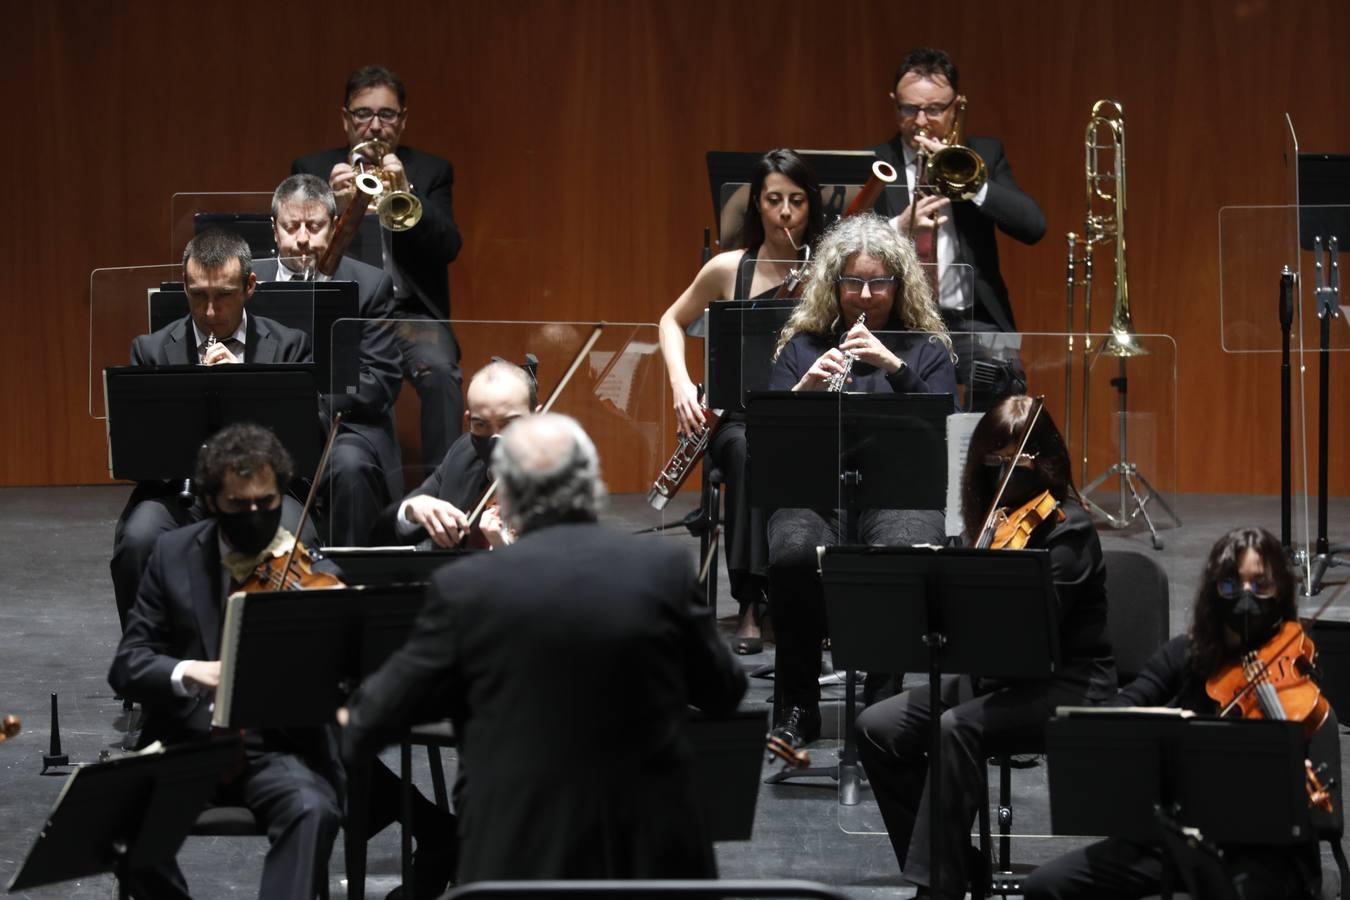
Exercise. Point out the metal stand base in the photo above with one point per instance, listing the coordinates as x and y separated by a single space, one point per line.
1320 563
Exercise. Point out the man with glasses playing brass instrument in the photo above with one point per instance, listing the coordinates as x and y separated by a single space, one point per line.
926 97
374 109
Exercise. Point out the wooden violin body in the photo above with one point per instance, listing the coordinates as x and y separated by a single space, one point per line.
289 573
1013 530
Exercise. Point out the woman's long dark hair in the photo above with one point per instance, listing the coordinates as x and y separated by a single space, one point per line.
1001 426
796 170
1209 650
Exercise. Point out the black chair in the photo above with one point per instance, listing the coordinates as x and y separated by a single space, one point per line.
236 821
1138 603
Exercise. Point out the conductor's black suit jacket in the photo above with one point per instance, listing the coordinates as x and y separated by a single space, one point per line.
567 661
370 411
1005 207
423 251
178 615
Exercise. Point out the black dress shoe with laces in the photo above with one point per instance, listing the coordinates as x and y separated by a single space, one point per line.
799 727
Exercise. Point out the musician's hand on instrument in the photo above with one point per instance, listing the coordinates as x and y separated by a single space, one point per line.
218 354
343 182
827 365
444 522
494 529
343 717
205 675
928 212
868 348
393 167
928 144
688 410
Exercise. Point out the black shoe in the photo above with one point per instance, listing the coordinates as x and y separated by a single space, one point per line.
798 728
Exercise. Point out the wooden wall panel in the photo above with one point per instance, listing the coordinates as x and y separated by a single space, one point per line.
578 129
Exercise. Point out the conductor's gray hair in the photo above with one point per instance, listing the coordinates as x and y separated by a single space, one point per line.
548 472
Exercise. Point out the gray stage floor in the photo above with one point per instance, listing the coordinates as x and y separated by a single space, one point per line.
59 631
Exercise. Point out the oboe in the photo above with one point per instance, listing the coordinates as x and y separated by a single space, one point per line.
839 379
210 342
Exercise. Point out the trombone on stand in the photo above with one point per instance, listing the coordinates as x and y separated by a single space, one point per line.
1105 224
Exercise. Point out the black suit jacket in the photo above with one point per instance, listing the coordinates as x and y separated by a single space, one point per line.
265 341
177 615
461 479
1005 206
370 411
424 251
567 661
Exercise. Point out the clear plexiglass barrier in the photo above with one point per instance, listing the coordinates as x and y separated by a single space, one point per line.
247 212
125 303
618 393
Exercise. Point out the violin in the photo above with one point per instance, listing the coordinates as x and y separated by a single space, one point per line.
1005 530
9 727
1276 682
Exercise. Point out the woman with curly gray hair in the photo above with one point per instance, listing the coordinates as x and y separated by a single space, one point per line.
862 267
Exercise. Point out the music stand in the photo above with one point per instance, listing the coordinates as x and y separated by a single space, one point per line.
1324 220
254 228
954 611
381 566
741 338
125 815
727 754
325 303
198 401
844 452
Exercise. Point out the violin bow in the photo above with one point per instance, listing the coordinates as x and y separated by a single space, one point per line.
313 492
548 405
1253 682
987 529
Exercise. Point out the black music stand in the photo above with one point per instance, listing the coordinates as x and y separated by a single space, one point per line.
342 635
1183 765
954 611
844 453
727 762
254 228
198 401
125 815
381 566
741 338
309 306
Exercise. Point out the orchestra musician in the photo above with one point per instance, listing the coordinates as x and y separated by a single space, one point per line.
219 280
366 466
499 393
783 214
168 660
1247 593
861 268
567 661
375 109
980 717
925 92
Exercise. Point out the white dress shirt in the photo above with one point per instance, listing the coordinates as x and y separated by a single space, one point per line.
952 294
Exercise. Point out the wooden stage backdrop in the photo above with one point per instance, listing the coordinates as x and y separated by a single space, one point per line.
578 130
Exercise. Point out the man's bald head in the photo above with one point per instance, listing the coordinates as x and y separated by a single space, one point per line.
499 393
549 472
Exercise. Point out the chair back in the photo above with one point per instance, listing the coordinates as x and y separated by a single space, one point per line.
1138 600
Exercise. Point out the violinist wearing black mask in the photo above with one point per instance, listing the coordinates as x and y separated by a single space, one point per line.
1247 594
437 512
979 715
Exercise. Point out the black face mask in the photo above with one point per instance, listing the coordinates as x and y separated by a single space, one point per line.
1022 486
1253 618
249 532
482 446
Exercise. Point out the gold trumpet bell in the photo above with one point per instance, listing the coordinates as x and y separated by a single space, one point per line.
399 210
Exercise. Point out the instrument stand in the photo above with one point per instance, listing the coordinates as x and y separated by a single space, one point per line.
1328 307
1286 311
1129 474
54 758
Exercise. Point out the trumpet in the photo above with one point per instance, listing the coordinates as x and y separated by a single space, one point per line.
839 379
395 205
955 172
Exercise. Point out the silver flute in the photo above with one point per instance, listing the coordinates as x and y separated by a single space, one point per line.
839 379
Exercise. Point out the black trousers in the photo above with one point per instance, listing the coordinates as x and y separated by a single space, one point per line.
1115 869
893 743
796 598
300 810
153 509
354 489
745 530
431 363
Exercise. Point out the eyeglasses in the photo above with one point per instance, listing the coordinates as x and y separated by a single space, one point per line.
851 284
1024 461
364 114
1229 588
932 110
